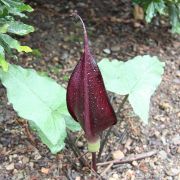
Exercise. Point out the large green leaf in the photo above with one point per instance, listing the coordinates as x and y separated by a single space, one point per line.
138 77
150 12
153 8
4 28
72 124
2 51
14 44
3 63
16 7
40 100
175 18
19 28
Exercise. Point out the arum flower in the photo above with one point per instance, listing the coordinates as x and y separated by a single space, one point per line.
87 100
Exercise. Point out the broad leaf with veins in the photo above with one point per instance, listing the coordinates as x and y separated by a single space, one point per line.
138 77
42 101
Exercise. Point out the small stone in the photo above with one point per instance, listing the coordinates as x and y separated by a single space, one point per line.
143 167
165 132
169 178
164 106
130 174
134 163
80 144
112 178
178 115
163 139
115 176
10 158
15 156
19 166
25 160
176 44
65 55
10 167
163 154
176 139
137 24
81 4
31 164
107 51
173 171
115 48
45 170
15 171
178 150
37 156
162 119
157 133
55 59
176 80
178 73
78 178
65 46
20 175
128 144
152 165
117 154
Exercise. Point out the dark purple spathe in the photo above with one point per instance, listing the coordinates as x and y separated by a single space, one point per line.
87 100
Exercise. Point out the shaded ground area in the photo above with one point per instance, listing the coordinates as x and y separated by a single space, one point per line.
59 39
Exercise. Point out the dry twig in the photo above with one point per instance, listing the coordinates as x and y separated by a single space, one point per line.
130 158
107 169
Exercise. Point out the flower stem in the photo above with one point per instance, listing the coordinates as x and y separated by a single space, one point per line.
94 167
110 129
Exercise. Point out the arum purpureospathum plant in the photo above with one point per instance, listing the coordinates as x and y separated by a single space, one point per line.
87 100
136 79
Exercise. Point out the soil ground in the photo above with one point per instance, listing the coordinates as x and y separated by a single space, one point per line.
59 39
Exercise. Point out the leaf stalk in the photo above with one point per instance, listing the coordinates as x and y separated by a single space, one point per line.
110 129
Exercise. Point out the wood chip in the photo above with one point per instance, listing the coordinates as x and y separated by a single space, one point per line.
117 154
10 167
45 170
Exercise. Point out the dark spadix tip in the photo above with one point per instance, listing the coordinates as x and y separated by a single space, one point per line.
87 100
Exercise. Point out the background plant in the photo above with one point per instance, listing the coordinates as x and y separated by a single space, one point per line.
168 8
11 13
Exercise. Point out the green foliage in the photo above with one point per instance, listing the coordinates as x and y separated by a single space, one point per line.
71 124
138 77
10 13
170 8
14 44
3 63
42 101
19 28
36 53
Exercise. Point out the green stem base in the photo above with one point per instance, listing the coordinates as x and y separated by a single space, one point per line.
94 146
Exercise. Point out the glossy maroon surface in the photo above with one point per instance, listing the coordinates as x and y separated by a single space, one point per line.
87 99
